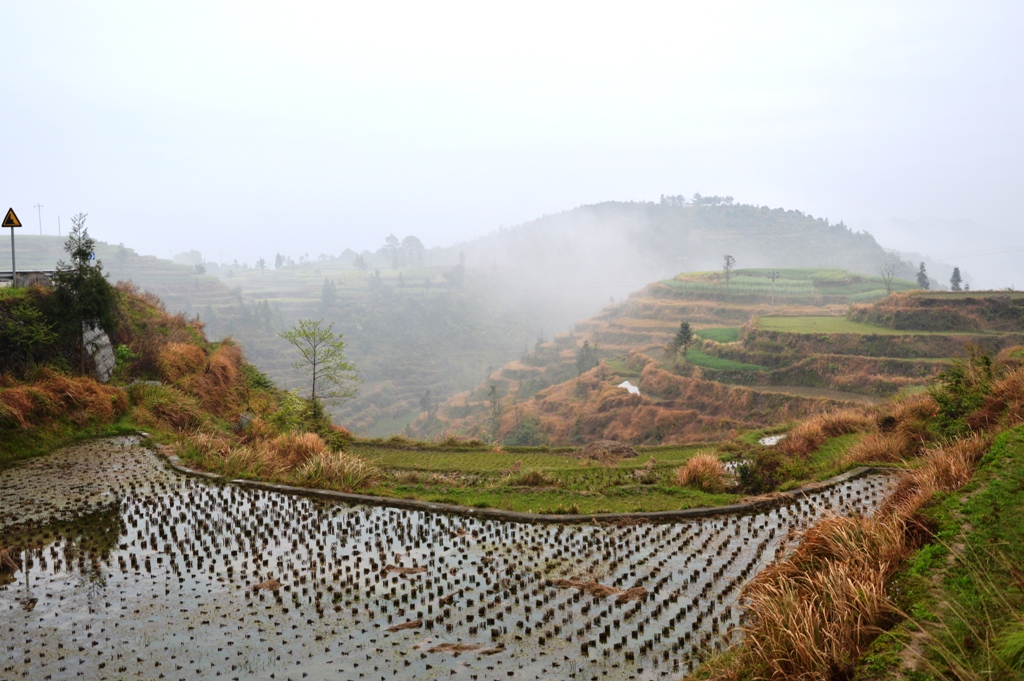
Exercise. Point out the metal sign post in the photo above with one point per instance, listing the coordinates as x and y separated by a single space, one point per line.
11 220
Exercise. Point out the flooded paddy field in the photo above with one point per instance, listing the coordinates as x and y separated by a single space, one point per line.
128 570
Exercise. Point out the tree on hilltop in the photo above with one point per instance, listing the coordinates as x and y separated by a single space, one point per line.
414 249
922 278
955 280
889 271
392 247
728 263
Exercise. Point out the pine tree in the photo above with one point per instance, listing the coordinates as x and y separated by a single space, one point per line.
84 296
955 280
922 278
682 340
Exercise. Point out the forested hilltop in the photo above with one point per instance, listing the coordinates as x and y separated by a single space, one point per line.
424 324
675 235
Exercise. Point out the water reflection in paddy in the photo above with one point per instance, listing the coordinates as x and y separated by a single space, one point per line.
133 571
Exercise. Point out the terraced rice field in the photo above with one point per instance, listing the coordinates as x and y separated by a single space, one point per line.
129 570
824 324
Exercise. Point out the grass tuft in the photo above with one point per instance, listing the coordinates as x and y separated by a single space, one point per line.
810 435
1010 648
703 471
533 478
337 470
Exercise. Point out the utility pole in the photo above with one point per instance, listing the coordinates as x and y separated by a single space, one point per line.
39 208
58 225
773 276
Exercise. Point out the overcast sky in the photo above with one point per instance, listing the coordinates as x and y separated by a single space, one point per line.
247 128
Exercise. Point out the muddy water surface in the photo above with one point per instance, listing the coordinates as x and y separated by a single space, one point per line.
130 570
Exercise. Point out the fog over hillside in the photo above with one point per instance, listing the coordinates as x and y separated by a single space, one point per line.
572 262
988 257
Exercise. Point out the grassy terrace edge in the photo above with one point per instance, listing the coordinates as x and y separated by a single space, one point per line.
750 506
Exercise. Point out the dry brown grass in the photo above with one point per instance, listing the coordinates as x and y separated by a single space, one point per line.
703 471
177 360
294 449
219 385
337 470
917 407
1004 406
606 452
258 431
891 447
945 469
452 479
807 437
811 626
54 396
954 464
209 444
813 614
221 453
165 406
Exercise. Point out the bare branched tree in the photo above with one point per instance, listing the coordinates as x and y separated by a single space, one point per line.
728 263
889 271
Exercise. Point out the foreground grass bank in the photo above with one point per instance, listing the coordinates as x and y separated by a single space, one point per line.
929 587
963 593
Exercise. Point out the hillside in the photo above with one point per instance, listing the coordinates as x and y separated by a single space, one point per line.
670 237
424 326
746 368
947 311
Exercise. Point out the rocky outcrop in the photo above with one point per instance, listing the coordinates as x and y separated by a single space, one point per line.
98 346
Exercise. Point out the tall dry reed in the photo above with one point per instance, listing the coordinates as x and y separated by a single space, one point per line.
813 614
703 471
807 437
53 396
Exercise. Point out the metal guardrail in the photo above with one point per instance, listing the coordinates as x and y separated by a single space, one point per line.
9 276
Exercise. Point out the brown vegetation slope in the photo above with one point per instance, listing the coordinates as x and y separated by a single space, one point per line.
813 614
684 402
946 311
672 409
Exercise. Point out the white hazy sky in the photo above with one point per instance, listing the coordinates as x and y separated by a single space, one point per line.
247 128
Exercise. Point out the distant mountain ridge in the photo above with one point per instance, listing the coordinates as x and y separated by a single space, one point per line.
678 237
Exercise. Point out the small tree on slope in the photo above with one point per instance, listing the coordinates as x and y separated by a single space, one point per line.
322 357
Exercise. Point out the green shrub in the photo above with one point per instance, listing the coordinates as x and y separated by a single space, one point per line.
526 434
256 379
762 473
961 390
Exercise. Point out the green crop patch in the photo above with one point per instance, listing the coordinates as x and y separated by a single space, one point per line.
700 359
722 334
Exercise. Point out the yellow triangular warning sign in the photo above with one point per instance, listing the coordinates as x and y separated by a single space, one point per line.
11 220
